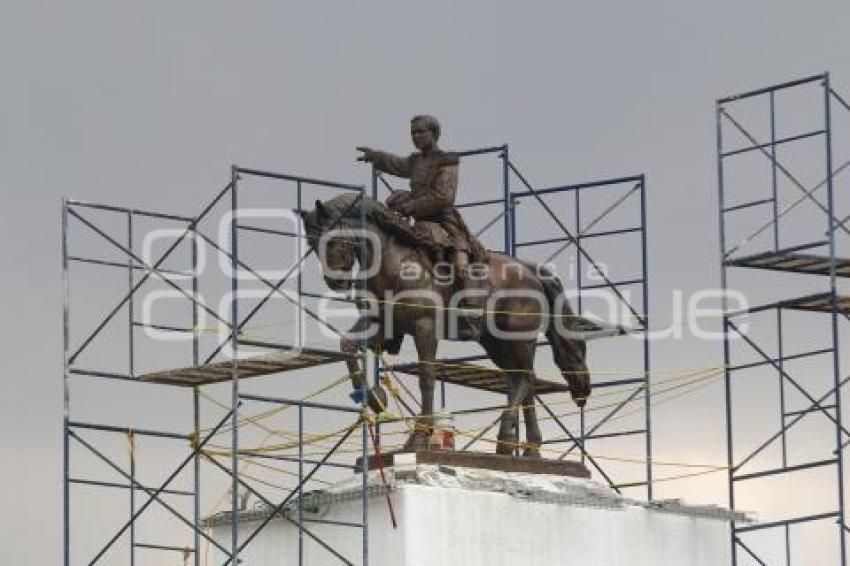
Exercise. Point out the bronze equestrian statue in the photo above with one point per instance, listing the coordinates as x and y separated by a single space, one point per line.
409 297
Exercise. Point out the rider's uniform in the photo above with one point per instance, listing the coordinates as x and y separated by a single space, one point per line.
433 188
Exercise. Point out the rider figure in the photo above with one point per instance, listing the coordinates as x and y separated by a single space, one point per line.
433 175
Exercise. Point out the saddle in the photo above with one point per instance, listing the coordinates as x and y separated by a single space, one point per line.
428 236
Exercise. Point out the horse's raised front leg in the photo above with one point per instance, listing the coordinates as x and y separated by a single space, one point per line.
425 338
352 361
375 397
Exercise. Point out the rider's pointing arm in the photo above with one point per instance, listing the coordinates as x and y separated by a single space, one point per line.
387 162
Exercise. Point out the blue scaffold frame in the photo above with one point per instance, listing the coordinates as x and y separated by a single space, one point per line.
641 386
198 438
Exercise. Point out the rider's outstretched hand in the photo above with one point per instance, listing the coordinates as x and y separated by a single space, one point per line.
398 200
406 207
368 154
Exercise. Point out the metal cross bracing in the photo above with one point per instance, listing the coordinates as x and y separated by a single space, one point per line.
617 217
760 183
204 361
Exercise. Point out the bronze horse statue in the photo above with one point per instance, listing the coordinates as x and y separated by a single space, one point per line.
524 300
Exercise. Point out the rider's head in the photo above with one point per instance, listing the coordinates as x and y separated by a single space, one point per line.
425 131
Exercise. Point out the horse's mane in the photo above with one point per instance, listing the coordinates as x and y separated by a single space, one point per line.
350 210
348 205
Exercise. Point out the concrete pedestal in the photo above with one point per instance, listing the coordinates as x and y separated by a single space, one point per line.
485 518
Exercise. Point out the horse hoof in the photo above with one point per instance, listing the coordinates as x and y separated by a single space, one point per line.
357 395
506 446
417 440
377 399
531 452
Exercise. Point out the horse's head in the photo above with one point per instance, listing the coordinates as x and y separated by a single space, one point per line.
329 233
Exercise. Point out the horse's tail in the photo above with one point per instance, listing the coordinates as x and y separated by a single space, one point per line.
568 346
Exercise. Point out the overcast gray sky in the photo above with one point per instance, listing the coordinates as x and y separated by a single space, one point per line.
147 104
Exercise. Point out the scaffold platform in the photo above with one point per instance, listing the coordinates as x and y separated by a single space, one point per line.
481 378
790 260
819 302
267 364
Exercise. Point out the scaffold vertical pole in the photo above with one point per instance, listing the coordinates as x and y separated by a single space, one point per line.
730 462
376 367
300 485
580 307
234 365
646 336
131 310
364 487
506 196
362 282
66 397
514 204
131 441
773 170
833 289
131 371
780 341
299 277
196 403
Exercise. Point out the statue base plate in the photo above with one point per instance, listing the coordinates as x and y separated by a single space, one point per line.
481 460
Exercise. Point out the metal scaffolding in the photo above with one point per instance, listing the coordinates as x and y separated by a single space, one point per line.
759 247
206 363
205 368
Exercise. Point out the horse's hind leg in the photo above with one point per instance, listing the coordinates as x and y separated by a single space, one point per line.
425 338
517 359
533 436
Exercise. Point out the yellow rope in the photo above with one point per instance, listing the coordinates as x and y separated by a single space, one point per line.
226 454
687 380
691 377
279 447
697 380
620 459
252 462
689 475
255 418
699 384
212 454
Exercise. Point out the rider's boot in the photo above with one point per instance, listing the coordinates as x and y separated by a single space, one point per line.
473 305
473 302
